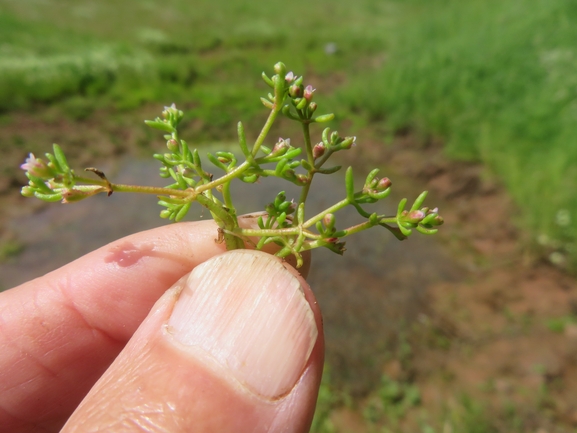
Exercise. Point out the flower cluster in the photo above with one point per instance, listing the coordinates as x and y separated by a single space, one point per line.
285 222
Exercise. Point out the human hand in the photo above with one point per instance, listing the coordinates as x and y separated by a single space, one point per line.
237 346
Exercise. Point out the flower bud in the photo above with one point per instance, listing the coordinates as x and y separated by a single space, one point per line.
329 220
415 216
383 184
280 69
313 107
37 167
281 146
319 150
289 174
437 221
302 179
27 191
289 77
295 91
348 142
172 145
308 93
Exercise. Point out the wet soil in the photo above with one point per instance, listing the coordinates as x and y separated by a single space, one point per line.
470 310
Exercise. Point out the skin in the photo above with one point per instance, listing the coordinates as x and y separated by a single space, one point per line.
92 331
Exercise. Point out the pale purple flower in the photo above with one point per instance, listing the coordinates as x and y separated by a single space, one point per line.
308 95
37 167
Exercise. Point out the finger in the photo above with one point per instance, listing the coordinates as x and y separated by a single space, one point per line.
237 346
59 333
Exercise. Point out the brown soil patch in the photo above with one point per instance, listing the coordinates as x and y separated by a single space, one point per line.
491 335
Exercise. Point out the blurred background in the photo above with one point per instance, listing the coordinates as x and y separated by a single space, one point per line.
473 330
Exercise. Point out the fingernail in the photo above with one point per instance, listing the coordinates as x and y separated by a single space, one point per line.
247 311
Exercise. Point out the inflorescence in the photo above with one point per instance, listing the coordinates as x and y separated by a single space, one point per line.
284 222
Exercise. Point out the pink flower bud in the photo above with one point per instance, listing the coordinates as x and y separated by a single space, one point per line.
37 167
172 145
281 146
303 179
295 91
415 216
313 107
308 94
319 150
383 184
329 220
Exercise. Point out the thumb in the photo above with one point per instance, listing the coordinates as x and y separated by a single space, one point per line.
235 346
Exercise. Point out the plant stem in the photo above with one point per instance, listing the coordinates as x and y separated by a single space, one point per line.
227 197
341 204
311 160
245 165
225 221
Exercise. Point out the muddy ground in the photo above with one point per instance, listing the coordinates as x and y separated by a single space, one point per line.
496 326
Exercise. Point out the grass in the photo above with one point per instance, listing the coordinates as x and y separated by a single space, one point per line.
496 81
209 54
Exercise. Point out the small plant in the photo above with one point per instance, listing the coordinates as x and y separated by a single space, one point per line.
285 222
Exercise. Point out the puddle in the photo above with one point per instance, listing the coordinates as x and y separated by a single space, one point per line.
367 296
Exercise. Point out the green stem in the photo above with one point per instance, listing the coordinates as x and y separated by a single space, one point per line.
154 190
227 197
311 160
276 232
341 204
139 189
245 165
225 221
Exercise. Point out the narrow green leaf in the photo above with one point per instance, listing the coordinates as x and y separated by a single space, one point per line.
267 80
48 197
329 170
324 118
401 206
267 103
419 201
182 212
425 231
325 137
160 125
59 155
350 184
